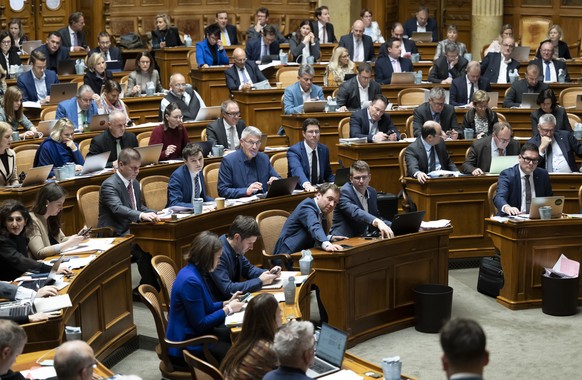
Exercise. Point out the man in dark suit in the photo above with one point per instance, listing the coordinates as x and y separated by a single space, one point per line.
308 159
26 81
227 130
356 93
114 139
246 171
448 67
510 199
235 273
262 20
463 88
228 32
531 84
120 205
373 123
390 63
497 66
436 109
464 353
187 182
421 23
556 147
550 68
428 153
357 210
408 47
359 45
305 228
500 143
322 28
73 37
258 49
243 73
111 53
53 51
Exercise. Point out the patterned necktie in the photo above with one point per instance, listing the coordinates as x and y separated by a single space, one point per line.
314 167
131 196
527 193
500 152
548 76
432 165
196 186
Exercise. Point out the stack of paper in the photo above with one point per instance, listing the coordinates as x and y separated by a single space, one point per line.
564 268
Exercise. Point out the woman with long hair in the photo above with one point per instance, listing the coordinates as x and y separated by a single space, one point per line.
97 72
339 65
8 170
171 133
304 44
144 72
13 113
164 35
15 29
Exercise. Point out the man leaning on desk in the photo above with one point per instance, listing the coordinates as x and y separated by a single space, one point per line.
373 123
437 110
114 139
187 182
357 92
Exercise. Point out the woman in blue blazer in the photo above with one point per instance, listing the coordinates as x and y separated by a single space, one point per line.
193 312
209 51
59 148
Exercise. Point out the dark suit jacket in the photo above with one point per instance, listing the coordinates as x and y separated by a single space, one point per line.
328 30
383 69
180 188
296 49
440 69
53 60
559 113
13 59
90 78
66 38
490 67
417 160
105 142
431 26
304 229
232 34
232 80
569 145
563 50
171 37
349 217
459 95
349 95
215 131
448 118
253 48
509 187
26 83
347 41
360 125
480 154
298 164
114 52
557 66
519 87
115 205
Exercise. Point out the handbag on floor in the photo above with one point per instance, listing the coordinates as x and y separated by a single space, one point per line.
491 278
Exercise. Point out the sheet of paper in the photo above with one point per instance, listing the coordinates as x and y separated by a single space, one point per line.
344 374
39 373
566 266
235 319
441 223
284 278
29 104
93 244
44 305
80 262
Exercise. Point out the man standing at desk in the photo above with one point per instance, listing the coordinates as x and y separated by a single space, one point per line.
428 153
531 84
187 99
301 91
228 33
246 171
187 182
436 110
482 151
517 185
12 341
356 93
408 47
373 123
556 147
463 88
322 28
53 51
464 353
74 360
114 139
243 73
357 209
227 130
73 37
448 67
305 228
235 272
261 20
308 159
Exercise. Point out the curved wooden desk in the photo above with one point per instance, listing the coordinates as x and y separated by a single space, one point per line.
29 360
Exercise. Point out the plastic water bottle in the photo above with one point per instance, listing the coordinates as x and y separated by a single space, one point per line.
561 76
332 105
513 75
283 57
418 77
325 76
150 88
289 291
305 262
80 66
187 40
327 104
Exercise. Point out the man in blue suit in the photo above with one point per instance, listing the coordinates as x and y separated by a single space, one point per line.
235 272
308 159
258 49
510 199
359 45
463 87
79 109
243 73
187 182
421 23
303 89
373 123
497 66
357 209
306 226
392 62
38 73
246 171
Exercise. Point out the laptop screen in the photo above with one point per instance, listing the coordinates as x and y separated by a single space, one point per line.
331 345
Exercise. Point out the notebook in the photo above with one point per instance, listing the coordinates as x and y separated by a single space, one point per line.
29 46
208 113
17 308
421 36
314 106
528 100
407 223
521 53
62 91
99 123
281 187
402 78
67 67
150 154
51 278
556 203
329 352
95 163
500 163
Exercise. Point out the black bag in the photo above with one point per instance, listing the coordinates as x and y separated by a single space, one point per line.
408 204
131 41
491 278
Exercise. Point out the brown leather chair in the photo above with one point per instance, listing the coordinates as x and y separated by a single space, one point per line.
48 113
343 128
84 147
154 190
88 201
201 369
25 156
279 163
568 96
411 96
143 139
166 272
210 173
287 75
270 224
490 195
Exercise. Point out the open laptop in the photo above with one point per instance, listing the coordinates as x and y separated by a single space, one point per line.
329 352
99 123
342 175
129 65
62 91
556 203
14 309
314 106
67 67
500 163
407 223
206 147
35 176
421 36
114 66
283 186
269 58
208 113
402 78
45 126
521 53
49 280
150 154
29 46
528 100
95 163
493 99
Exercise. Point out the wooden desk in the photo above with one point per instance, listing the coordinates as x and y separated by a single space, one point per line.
211 84
261 108
171 61
360 366
29 360
526 248
426 50
392 268
102 305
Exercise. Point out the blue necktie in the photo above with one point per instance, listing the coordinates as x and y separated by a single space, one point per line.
548 76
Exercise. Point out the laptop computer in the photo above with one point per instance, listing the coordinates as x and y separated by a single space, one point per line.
14 309
208 113
99 123
402 78
35 176
349 76
421 36
329 352
49 280
314 106
114 66
281 187
67 67
150 154
342 175
407 223
500 163
528 100
95 163
556 203
62 91
29 46
493 99
521 53
45 126
129 65
206 147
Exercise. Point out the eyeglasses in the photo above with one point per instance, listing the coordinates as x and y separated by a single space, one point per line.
530 160
507 45
253 143
232 114
7 42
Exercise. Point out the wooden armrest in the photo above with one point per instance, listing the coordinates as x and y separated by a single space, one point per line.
205 340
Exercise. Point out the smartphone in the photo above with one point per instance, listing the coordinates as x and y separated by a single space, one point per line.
274 271
245 297
85 232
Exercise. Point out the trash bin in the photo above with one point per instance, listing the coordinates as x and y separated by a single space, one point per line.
432 307
560 295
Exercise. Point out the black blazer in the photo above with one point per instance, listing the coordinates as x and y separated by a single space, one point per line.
349 95
490 67
440 69
53 60
559 113
105 142
347 41
417 160
95 82
233 81
563 51
328 30
383 68
431 26
448 119
232 34
519 87
458 90
114 52
557 66
360 125
170 35
569 145
215 131
408 44
13 59
66 38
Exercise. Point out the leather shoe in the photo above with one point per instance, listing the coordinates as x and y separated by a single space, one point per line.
135 295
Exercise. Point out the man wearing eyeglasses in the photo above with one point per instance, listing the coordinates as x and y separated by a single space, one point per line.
517 185
482 151
549 67
497 66
246 171
74 360
301 91
437 110
188 100
243 73
260 49
227 130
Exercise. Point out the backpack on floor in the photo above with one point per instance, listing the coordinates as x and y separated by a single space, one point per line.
491 278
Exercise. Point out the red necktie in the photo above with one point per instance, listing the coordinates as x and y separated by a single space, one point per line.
131 196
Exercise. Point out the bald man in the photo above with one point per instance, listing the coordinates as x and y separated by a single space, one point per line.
244 73
463 87
359 45
74 360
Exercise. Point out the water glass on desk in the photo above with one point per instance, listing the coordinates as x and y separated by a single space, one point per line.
392 368
197 206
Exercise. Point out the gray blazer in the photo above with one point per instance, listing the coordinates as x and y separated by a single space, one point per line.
136 78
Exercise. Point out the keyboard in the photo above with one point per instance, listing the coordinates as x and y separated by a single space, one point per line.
320 366
19 311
